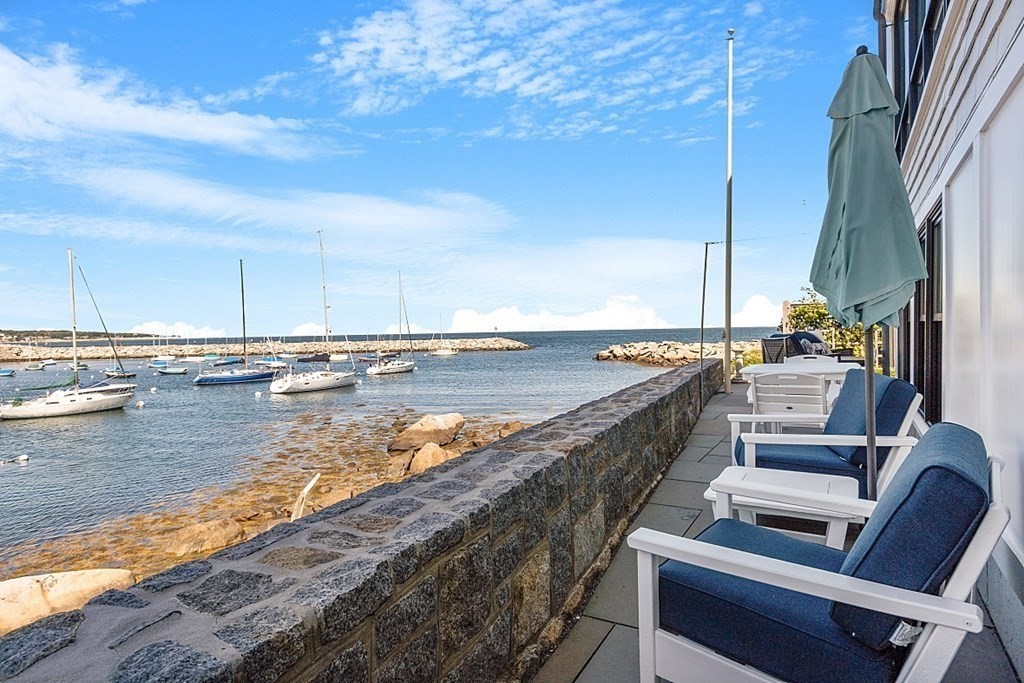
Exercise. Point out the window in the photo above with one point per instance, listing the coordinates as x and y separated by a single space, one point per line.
921 349
916 28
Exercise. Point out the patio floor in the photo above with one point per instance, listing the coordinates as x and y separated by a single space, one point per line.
602 646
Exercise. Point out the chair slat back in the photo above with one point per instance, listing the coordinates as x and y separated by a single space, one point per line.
789 392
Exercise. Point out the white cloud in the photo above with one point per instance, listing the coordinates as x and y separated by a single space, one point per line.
416 329
619 313
178 329
574 66
432 214
753 9
308 330
54 98
758 311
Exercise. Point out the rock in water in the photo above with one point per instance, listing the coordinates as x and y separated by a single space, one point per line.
29 598
211 535
398 464
510 428
431 454
436 429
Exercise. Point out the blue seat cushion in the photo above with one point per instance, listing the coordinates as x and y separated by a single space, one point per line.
892 399
921 525
816 459
783 633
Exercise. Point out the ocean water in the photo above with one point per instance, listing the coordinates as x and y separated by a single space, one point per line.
87 469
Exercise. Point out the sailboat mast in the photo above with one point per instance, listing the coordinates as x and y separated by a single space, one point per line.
241 279
74 320
323 283
399 314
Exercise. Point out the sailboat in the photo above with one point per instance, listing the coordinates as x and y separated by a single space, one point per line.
445 348
72 400
236 375
316 380
392 366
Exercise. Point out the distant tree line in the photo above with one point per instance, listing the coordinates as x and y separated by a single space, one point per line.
54 335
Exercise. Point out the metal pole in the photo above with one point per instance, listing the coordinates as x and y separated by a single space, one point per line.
727 351
869 411
703 296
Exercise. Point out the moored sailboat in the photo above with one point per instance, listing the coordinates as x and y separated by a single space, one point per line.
392 365
73 400
235 375
316 380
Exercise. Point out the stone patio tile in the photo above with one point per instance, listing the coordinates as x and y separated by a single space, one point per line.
981 652
686 494
615 597
706 518
574 652
711 427
693 453
722 461
618 658
694 471
724 448
703 440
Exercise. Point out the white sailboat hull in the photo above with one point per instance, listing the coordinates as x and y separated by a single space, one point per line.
392 367
61 403
319 380
444 352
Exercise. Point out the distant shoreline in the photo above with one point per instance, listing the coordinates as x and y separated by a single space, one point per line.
21 353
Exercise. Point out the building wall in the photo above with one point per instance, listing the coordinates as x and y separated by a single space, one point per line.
966 150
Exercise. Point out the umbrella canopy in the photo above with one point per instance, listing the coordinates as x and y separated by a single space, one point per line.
868 256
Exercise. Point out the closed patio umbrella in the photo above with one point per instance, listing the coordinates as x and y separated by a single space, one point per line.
868 257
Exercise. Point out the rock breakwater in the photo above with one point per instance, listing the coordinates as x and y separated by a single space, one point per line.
670 353
16 353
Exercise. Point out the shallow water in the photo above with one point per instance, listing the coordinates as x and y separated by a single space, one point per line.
87 469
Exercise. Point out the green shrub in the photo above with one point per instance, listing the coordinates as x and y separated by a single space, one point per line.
809 313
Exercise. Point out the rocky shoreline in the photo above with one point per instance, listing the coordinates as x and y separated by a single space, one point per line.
351 457
671 354
23 353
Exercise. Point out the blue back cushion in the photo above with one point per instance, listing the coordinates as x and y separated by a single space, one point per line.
892 399
920 527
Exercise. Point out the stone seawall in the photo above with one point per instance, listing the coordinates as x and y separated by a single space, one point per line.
465 573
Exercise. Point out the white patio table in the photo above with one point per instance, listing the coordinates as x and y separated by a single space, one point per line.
834 373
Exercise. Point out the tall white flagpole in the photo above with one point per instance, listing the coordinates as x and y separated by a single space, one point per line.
727 360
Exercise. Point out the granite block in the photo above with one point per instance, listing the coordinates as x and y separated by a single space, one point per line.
183 573
25 646
169 662
270 640
411 611
230 590
345 594
466 583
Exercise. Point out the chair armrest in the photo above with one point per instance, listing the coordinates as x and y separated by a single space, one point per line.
745 418
826 440
773 493
849 590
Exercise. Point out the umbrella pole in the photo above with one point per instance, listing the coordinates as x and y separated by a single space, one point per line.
869 411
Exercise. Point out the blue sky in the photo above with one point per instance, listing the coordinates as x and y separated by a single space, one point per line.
525 165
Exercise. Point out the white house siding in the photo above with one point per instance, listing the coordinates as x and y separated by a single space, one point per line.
966 150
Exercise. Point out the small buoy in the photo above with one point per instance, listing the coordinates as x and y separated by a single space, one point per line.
140 404
152 390
259 394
